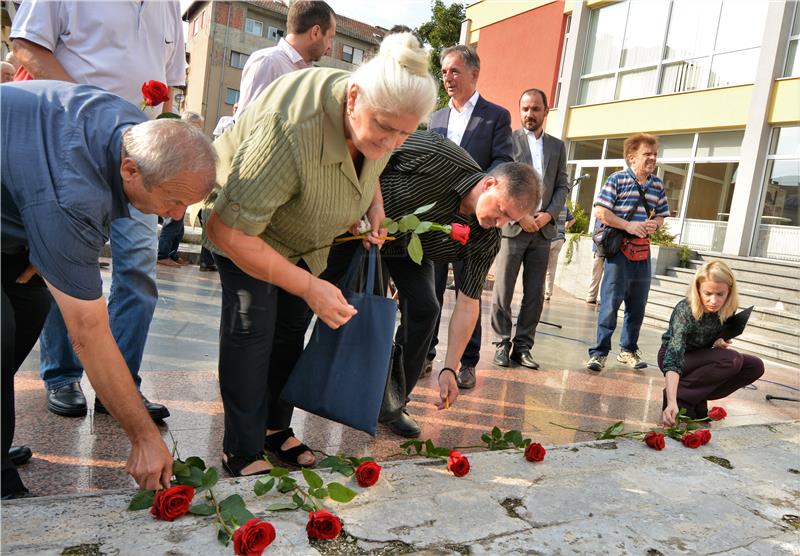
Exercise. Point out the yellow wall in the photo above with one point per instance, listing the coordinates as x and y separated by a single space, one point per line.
487 12
712 109
785 107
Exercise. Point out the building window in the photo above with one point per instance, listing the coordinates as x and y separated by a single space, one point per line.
231 96
564 45
792 68
274 34
253 27
238 60
352 54
196 25
778 231
639 49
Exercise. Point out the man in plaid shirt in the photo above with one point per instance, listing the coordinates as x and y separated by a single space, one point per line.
632 200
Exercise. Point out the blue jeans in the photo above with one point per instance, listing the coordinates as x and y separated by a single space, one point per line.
626 281
131 303
170 238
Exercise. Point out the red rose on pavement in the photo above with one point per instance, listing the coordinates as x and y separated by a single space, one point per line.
717 414
172 503
535 452
323 524
458 465
253 537
692 440
655 440
705 436
368 473
154 93
460 233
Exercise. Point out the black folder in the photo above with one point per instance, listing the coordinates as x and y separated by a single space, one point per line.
735 324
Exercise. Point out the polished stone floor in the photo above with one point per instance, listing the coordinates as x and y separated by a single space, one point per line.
88 454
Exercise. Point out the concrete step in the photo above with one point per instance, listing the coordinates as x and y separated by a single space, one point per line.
784 334
756 277
756 339
761 301
766 266
773 294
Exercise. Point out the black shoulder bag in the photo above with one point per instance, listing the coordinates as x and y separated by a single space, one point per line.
607 239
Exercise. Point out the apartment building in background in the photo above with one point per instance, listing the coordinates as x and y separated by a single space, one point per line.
222 35
717 81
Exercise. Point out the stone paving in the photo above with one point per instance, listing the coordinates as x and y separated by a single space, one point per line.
604 497
86 455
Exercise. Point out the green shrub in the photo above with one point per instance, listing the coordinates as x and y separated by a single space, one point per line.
581 225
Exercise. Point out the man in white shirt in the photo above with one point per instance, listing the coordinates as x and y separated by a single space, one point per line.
527 242
311 26
116 46
483 129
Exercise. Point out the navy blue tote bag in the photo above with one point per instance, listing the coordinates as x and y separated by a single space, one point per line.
341 374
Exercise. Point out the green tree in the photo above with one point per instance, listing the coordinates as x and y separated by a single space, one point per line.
441 31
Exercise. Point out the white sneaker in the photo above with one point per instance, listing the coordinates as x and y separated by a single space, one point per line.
596 362
632 359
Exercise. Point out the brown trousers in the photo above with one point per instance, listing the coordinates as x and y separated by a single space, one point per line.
712 374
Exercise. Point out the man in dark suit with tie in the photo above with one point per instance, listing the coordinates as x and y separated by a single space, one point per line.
483 129
527 242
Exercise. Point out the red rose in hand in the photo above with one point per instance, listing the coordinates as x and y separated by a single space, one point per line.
655 440
460 233
172 503
323 524
535 452
458 465
154 93
717 414
692 440
368 473
705 436
253 537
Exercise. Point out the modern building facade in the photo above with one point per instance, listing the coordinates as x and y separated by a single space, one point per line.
222 35
717 80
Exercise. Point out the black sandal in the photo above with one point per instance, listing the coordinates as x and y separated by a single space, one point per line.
274 442
235 464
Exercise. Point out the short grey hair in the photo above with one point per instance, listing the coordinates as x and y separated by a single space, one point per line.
192 118
522 184
467 52
164 148
397 79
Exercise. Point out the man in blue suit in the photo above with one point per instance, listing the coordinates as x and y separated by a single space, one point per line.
483 129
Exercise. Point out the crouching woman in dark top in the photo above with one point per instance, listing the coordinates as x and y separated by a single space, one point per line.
698 365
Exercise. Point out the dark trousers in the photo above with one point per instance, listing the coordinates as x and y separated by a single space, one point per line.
262 329
713 374
530 251
627 281
24 310
472 353
206 258
170 239
418 306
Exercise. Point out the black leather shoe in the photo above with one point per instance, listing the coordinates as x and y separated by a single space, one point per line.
466 378
404 426
20 455
67 401
501 355
208 267
427 369
157 411
525 359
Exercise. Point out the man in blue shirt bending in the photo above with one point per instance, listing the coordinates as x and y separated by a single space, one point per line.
72 158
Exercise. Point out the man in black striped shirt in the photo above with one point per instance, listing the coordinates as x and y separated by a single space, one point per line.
430 169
